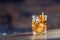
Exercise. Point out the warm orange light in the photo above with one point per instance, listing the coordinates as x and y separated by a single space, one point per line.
39 25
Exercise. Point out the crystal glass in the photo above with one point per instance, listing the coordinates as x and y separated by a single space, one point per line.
39 24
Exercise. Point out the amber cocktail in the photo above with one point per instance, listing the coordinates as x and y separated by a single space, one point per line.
39 24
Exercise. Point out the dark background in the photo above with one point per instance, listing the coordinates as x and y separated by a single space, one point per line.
15 15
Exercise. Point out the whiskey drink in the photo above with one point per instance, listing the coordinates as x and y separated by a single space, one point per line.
39 24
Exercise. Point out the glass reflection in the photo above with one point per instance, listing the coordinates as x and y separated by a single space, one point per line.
38 37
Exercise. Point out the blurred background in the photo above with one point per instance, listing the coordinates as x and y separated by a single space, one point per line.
15 15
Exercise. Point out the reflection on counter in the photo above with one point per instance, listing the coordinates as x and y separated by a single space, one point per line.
39 37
